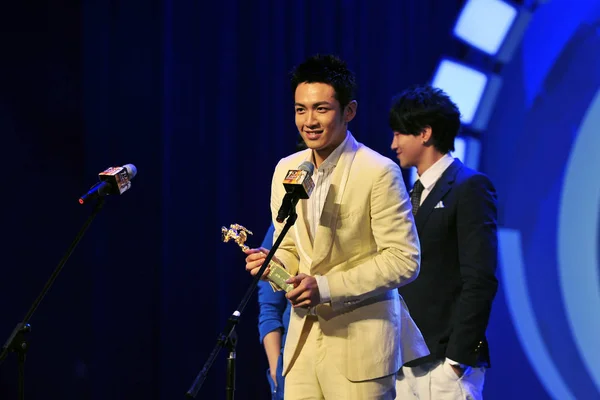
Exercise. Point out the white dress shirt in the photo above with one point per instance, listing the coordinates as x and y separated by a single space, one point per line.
322 179
433 173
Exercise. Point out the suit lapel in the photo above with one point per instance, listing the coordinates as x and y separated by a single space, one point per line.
442 186
325 232
304 241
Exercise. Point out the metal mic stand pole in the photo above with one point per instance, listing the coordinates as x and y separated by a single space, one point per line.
228 337
16 341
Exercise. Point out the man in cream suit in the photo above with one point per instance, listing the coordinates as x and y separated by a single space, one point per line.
353 244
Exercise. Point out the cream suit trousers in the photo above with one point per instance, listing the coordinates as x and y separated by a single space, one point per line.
312 377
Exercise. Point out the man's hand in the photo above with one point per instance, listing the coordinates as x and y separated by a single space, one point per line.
305 293
458 370
255 260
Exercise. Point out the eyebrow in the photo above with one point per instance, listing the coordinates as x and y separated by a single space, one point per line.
320 103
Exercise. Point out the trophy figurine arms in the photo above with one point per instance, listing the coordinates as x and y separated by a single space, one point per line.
277 273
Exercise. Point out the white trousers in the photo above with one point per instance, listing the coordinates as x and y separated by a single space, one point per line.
438 381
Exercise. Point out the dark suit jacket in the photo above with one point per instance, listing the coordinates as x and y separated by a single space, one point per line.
452 298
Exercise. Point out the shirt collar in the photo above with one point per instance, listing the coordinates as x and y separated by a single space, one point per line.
433 173
331 161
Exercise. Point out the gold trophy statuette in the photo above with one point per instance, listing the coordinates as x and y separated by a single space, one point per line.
277 273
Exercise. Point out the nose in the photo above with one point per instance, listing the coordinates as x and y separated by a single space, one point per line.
311 121
394 146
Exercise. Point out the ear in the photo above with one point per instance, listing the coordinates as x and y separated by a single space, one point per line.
426 135
350 111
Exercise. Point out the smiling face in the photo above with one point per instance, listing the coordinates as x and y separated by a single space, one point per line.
409 149
319 118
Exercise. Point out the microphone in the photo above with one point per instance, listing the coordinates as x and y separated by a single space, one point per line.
298 185
114 180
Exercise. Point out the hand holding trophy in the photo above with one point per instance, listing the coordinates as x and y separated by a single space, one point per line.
277 274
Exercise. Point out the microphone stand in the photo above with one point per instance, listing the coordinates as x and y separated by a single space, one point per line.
16 341
228 338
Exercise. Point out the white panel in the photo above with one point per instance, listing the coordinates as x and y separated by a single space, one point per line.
484 24
463 84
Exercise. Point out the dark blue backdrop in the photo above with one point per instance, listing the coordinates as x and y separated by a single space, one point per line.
196 96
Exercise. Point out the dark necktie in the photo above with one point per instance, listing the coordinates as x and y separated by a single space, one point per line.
415 196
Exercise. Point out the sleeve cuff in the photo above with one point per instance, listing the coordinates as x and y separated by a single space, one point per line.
324 292
452 362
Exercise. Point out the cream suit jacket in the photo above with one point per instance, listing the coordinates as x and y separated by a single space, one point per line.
367 246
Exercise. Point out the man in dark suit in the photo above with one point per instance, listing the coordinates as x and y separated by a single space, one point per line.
455 213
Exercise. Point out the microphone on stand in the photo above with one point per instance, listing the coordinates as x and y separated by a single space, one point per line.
298 185
114 180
